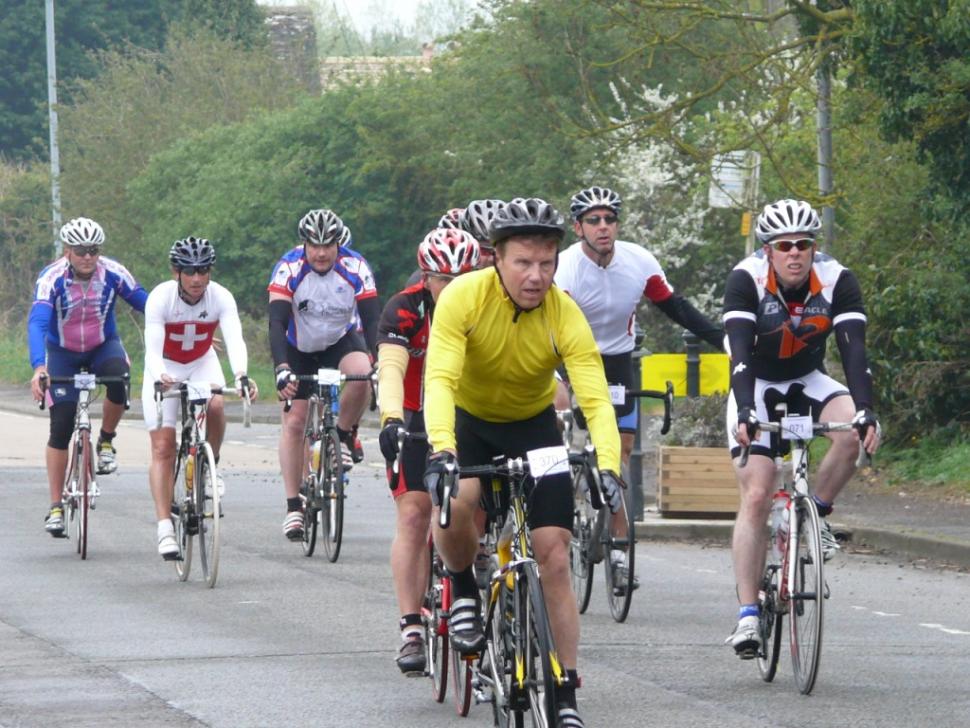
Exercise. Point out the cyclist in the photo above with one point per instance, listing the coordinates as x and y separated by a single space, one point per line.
181 318
451 220
72 326
476 219
320 295
608 278
498 336
780 305
402 341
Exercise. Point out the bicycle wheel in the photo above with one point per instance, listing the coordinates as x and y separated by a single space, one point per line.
534 636
332 508
310 494
461 667
312 478
807 596
619 586
69 492
770 624
580 565
183 514
84 486
497 663
440 600
209 512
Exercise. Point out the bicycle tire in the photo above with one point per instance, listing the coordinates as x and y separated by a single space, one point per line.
619 603
580 565
770 624
332 508
207 508
182 500
438 643
542 667
499 653
807 600
85 478
311 495
69 493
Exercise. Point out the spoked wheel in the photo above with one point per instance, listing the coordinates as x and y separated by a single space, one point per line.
580 565
332 507
538 649
84 485
461 674
619 581
770 624
69 495
183 513
209 512
440 594
498 663
807 597
310 496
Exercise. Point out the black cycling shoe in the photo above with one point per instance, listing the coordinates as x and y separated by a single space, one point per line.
411 658
465 627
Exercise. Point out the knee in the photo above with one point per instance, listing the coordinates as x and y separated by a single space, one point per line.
163 445
846 445
62 425
216 409
115 368
553 556
413 521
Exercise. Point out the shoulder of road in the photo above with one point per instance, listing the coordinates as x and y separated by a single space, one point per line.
867 519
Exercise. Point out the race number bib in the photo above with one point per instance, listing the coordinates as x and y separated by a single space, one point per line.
617 394
328 377
198 391
85 380
797 428
548 461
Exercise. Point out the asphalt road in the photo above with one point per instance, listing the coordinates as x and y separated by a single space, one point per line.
286 640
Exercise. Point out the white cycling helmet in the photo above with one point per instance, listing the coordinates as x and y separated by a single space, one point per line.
785 217
447 251
478 217
593 197
452 218
82 231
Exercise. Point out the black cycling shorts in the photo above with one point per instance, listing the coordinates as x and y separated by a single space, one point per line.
303 363
414 456
479 441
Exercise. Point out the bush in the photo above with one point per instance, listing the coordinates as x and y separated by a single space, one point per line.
698 422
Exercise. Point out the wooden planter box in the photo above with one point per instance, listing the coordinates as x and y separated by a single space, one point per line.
696 481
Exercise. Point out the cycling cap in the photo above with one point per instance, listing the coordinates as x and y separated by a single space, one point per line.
478 216
192 252
451 252
787 216
526 216
452 219
323 227
593 197
82 231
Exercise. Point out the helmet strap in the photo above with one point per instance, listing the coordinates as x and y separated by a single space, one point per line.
183 294
602 259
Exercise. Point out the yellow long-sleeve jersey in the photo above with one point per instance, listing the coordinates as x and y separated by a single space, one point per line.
497 363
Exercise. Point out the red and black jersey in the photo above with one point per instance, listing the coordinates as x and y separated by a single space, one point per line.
406 321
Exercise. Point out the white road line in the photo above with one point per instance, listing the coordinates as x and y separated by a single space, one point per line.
887 614
946 630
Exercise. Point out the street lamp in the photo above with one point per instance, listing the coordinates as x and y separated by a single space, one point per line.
52 106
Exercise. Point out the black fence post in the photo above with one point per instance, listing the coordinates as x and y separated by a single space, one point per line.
636 454
693 345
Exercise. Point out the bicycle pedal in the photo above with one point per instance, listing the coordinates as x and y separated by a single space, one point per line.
826 593
171 557
417 673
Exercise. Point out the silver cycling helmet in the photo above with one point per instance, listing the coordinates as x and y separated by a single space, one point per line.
787 216
526 216
82 231
192 253
323 227
593 197
451 219
478 216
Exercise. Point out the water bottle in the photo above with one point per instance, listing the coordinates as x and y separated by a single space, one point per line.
189 470
780 504
315 456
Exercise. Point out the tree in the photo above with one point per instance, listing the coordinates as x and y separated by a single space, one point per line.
241 21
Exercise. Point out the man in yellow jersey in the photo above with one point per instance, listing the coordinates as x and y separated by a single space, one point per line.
497 337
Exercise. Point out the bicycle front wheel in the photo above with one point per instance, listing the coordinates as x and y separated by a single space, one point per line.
332 507
534 641
807 596
183 513
209 512
84 484
619 580
770 624
580 565
311 513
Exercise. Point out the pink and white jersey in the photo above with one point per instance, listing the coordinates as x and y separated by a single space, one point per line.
176 331
609 296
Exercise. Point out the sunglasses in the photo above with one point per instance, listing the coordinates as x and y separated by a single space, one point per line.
86 251
595 219
191 270
784 246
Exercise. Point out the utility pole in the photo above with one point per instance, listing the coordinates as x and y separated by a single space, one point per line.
826 187
52 106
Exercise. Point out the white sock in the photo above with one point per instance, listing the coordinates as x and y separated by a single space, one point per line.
165 527
617 557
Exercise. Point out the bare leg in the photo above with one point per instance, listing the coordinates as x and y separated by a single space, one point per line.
111 415
409 550
458 543
757 483
551 545
160 470
215 427
291 447
356 395
838 465
56 465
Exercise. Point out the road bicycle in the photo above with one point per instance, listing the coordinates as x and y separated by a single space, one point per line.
519 670
196 500
597 533
80 485
324 482
794 578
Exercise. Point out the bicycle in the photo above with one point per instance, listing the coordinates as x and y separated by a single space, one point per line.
196 501
794 584
324 481
595 533
519 670
80 485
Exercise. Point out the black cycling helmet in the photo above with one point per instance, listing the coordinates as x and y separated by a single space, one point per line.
192 253
593 197
526 216
323 227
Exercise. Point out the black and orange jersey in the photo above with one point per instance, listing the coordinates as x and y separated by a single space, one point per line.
784 332
406 321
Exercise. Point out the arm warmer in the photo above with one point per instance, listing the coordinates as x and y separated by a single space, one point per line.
38 323
740 334
392 364
851 338
679 309
369 310
279 322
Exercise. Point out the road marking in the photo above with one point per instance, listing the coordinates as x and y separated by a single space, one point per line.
251 601
707 571
887 614
941 628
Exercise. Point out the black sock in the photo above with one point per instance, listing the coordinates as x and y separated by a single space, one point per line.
566 693
343 435
294 504
106 436
463 583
